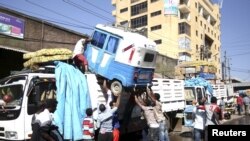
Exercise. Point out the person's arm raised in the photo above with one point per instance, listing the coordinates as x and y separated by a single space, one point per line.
150 94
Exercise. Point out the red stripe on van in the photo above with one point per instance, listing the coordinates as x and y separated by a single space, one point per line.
127 48
131 55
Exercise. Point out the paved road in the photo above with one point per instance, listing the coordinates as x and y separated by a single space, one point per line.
186 135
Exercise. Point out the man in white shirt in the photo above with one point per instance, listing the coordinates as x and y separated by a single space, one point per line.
78 57
199 116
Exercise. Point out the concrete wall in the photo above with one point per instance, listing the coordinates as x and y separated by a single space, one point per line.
165 66
39 34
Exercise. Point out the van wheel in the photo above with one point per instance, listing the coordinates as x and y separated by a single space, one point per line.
116 87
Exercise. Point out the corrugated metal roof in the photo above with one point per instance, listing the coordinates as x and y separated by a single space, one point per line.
13 49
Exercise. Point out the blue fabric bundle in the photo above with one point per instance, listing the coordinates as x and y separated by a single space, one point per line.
198 81
73 99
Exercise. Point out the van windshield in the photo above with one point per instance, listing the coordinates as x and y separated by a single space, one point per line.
11 95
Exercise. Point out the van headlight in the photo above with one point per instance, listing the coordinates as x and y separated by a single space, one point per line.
11 134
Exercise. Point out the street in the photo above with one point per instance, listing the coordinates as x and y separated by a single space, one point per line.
186 134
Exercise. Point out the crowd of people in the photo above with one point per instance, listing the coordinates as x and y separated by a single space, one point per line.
213 113
107 122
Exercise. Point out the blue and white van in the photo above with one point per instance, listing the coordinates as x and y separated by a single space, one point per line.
125 58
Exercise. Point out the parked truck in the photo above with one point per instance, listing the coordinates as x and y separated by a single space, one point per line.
172 98
29 88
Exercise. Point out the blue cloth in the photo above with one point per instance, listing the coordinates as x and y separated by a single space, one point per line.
73 99
198 81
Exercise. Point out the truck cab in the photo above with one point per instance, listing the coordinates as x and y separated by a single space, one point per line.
27 89
193 93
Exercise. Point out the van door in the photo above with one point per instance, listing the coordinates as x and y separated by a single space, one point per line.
104 47
94 53
107 63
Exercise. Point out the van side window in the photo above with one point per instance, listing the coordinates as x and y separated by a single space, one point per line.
98 39
112 44
149 57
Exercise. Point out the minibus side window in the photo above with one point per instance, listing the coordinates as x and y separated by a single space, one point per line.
112 44
149 57
98 39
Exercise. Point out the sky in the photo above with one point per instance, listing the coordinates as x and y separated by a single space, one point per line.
83 15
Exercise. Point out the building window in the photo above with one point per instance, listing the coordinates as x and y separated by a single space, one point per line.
158 41
156 13
139 22
155 27
196 5
184 28
201 23
205 26
201 36
197 48
139 8
133 1
196 33
123 10
154 1
196 18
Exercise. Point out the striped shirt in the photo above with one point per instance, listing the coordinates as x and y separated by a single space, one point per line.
88 128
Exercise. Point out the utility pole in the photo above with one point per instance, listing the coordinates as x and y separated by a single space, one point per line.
229 75
225 66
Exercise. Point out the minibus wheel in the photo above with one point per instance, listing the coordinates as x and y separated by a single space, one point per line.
116 87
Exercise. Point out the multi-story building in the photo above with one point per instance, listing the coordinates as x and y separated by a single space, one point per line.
187 30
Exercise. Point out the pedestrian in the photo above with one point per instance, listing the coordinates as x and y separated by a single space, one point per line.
153 126
239 104
88 126
213 114
42 127
161 120
115 123
246 101
105 118
222 106
199 117
78 57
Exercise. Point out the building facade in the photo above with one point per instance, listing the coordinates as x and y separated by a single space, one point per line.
20 33
186 30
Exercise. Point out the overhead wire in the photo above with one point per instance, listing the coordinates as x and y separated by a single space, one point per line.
97 7
48 18
52 11
87 10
